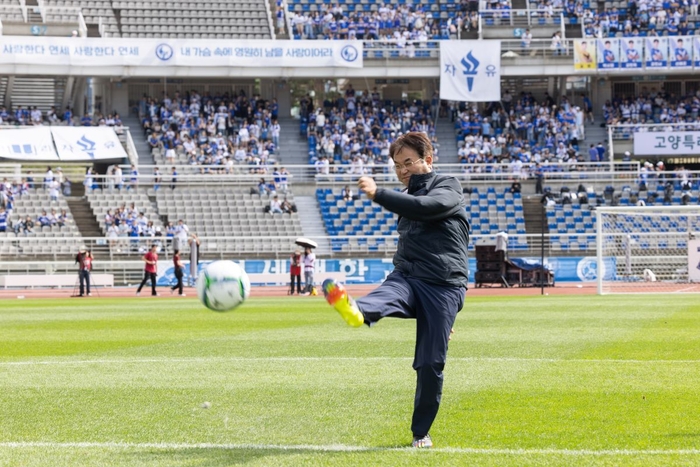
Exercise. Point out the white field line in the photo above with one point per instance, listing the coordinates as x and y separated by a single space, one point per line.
343 448
318 359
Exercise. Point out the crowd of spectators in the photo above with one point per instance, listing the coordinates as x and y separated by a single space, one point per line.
11 191
638 18
27 225
126 222
520 134
654 106
34 116
352 133
403 24
219 132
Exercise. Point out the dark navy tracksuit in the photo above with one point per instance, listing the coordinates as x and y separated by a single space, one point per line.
429 280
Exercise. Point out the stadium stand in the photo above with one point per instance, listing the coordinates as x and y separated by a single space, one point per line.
219 130
56 238
353 217
374 20
641 18
489 212
249 19
213 212
524 130
361 127
492 212
132 201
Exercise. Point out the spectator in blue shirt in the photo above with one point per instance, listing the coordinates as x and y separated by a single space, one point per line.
68 116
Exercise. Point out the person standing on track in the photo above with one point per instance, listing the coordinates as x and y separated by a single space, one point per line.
177 264
150 269
84 260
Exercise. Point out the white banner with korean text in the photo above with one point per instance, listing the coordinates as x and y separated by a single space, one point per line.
470 71
669 143
85 143
101 52
27 144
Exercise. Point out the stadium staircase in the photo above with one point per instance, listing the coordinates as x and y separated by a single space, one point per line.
533 211
40 92
33 15
294 149
537 85
444 130
83 216
594 135
273 16
140 141
312 226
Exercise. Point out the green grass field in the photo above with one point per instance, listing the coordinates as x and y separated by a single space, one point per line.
529 381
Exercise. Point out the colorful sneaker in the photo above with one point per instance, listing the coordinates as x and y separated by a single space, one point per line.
422 442
338 298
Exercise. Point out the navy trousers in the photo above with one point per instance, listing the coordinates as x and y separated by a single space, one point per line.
84 280
434 308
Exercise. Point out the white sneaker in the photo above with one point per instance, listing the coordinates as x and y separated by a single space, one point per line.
182 295
138 293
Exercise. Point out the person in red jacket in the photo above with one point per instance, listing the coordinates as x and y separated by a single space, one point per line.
84 260
178 267
150 269
295 272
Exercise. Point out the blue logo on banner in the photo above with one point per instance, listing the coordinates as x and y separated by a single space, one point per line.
471 69
87 146
587 269
349 53
164 52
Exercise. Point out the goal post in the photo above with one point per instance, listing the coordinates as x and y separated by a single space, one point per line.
648 249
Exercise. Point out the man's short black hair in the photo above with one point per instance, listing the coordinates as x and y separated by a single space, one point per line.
415 140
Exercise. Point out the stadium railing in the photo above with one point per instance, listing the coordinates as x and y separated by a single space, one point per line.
527 17
482 174
625 131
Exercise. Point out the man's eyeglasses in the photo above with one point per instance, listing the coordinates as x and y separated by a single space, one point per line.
407 165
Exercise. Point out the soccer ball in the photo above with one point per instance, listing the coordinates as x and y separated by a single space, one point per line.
223 285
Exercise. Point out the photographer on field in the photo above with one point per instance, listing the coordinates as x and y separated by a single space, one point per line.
84 260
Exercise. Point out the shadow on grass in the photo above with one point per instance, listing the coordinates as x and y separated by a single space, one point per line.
211 457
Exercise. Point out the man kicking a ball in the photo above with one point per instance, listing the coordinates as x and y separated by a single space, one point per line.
429 279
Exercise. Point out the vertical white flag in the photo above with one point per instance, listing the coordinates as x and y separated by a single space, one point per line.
470 71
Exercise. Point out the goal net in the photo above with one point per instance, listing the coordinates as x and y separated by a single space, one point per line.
648 249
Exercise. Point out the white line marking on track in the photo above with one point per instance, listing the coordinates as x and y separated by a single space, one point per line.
695 287
170 360
343 448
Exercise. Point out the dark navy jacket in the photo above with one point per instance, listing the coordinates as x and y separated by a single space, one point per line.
433 229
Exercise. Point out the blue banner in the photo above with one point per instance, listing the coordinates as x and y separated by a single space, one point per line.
374 271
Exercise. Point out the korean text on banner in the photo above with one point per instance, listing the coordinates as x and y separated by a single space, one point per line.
104 52
608 54
30 144
470 71
87 143
670 143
